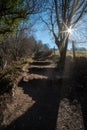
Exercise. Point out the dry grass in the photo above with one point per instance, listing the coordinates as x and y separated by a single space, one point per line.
78 53
10 73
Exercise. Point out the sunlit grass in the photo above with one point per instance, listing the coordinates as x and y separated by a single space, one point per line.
70 53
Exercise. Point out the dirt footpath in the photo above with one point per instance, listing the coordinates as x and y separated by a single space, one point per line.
43 100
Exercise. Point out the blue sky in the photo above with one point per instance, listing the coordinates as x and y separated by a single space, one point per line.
79 34
45 37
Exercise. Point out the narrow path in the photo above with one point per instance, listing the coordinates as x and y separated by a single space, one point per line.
41 101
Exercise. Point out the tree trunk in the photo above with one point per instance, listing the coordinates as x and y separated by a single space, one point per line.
63 51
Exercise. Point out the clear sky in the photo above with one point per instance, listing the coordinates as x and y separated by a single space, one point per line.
46 38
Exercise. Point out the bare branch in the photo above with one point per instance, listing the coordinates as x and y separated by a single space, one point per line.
46 23
57 14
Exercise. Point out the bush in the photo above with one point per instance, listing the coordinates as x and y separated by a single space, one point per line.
5 84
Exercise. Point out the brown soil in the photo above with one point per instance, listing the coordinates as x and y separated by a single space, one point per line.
46 99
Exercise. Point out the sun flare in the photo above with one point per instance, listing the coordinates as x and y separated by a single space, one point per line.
69 30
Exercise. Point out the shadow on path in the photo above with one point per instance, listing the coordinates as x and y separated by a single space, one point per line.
47 94
49 72
43 114
40 63
77 86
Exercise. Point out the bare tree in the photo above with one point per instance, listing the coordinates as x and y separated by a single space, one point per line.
21 45
61 18
16 46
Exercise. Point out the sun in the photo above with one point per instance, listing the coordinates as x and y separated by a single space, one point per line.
69 30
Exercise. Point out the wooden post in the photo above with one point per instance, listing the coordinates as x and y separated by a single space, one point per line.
54 50
73 49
